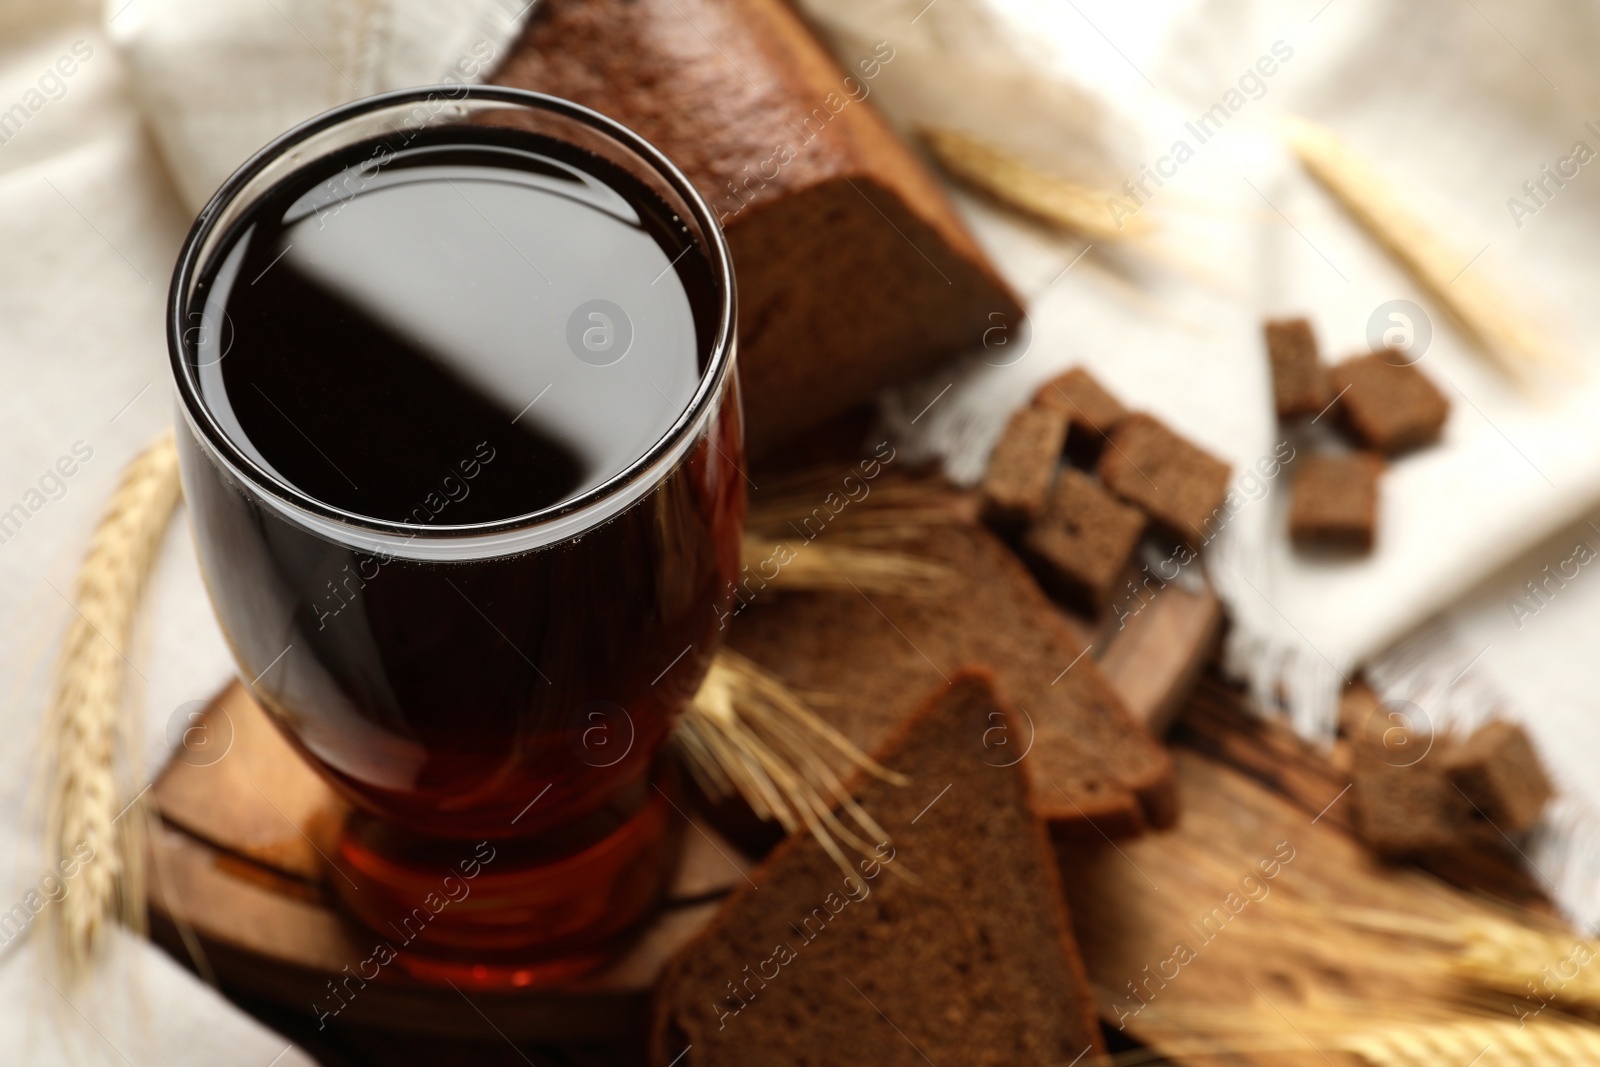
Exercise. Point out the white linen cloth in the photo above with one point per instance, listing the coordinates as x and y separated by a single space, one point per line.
115 124
1458 105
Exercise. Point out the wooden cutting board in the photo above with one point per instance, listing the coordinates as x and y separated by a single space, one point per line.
240 886
240 866
1266 959
240 878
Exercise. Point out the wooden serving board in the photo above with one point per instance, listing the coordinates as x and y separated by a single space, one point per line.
1270 962
240 888
240 878
240 863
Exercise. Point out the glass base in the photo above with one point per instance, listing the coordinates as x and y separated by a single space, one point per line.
502 914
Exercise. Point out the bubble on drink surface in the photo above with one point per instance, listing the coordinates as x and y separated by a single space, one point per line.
1007 739
199 733
599 332
601 733
1400 331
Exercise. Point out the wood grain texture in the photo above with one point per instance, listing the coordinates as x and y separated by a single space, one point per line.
1267 959
1217 721
1263 948
263 940
248 792
241 871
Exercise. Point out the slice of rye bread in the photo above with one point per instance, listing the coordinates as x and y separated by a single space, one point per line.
863 660
855 271
953 947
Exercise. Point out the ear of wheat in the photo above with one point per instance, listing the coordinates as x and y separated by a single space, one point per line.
1462 1043
1535 962
1538 966
1438 981
1509 336
747 732
843 567
87 814
1054 200
1505 1043
895 509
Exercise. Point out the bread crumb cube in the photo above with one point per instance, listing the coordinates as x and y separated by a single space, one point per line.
1407 808
1091 411
1334 501
1083 542
1299 381
1179 485
1499 772
1387 404
1023 466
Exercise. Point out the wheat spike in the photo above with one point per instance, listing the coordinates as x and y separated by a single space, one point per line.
840 567
1506 1043
84 736
1054 200
800 503
746 731
1536 963
1513 340
1533 964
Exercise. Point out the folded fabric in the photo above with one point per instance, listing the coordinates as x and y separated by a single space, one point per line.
218 81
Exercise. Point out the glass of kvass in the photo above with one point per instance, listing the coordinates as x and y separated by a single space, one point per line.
462 450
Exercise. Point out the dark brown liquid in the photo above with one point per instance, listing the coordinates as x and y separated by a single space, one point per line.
398 342
374 330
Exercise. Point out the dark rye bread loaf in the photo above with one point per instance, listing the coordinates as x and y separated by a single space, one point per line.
867 659
952 947
854 271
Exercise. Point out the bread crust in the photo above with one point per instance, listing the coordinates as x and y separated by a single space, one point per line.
854 270
967 685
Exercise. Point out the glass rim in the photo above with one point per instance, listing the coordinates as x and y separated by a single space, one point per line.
685 428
